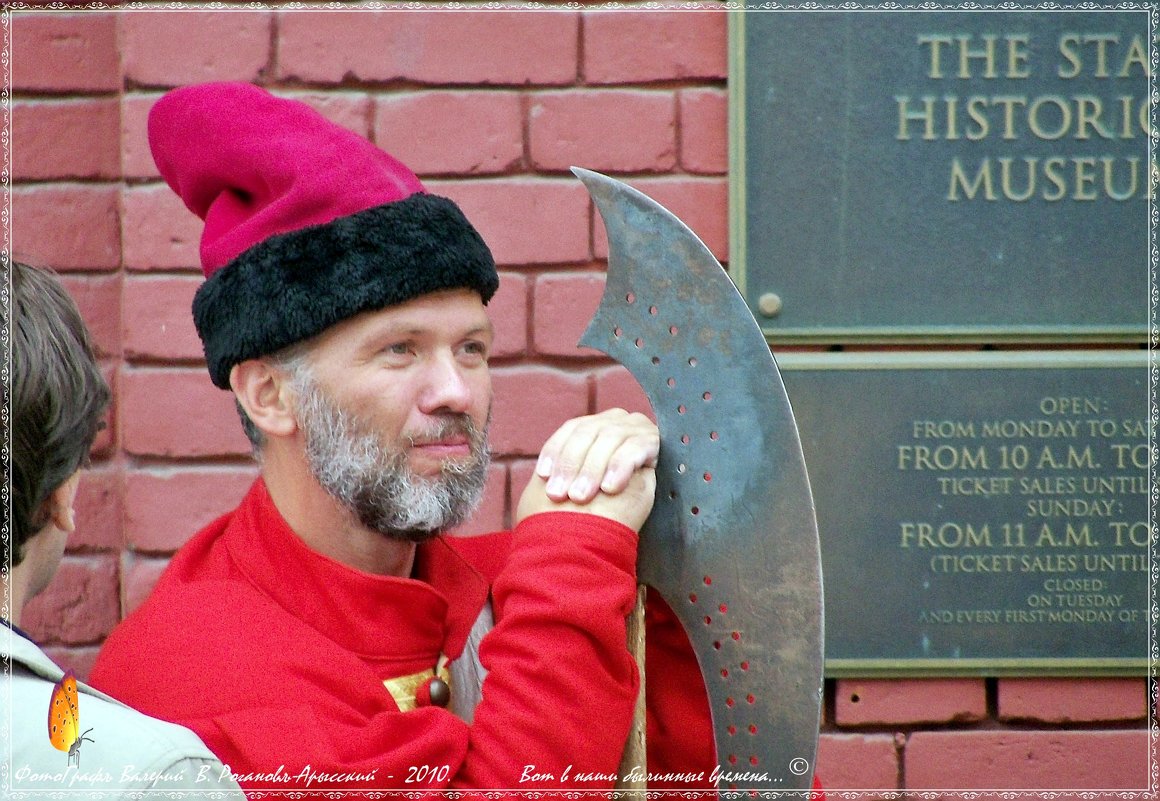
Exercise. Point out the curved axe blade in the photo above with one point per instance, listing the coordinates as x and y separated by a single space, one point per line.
732 542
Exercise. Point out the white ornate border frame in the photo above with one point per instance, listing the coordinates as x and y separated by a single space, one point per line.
1152 791
6 378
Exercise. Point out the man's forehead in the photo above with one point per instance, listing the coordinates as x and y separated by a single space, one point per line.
451 312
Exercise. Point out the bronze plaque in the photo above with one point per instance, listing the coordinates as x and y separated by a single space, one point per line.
972 175
980 512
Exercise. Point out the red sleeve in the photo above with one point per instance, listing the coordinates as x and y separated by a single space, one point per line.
558 698
680 730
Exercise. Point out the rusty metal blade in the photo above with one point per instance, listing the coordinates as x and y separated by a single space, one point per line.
732 542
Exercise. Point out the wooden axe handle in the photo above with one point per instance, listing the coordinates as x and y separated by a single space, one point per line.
633 763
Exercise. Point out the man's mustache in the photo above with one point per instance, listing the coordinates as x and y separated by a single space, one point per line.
454 426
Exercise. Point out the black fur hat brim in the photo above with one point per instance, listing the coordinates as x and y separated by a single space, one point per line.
293 286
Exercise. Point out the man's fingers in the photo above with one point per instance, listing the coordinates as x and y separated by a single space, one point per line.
576 456
632 454
597 453
630 507
550 452
599 461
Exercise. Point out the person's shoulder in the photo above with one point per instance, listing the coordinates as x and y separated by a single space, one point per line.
119 748
184 630
140 739
180 639
199 582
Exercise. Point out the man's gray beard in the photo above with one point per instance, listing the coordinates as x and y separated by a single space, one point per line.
374 481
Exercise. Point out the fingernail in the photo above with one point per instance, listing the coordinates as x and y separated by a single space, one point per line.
581 489
544 467
611 481
556 486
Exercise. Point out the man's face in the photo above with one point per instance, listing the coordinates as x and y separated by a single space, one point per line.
394 412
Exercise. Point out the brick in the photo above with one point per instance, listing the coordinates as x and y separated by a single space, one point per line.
171 49
492 511
158 230
563 305
98 511
857 762
136 160
158 321
704 123
1071 700
98 297
350 110
66 139
523 221
1014 760
617 389
639 46
141 575
508 311
80 605
478 132
177 413
530 404
65 52
865 702
464 47
79 660
573 128
67 226
165 508
700 203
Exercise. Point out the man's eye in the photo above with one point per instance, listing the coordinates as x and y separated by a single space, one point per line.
398 352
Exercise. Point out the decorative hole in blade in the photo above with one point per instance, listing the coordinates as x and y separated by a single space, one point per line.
733 663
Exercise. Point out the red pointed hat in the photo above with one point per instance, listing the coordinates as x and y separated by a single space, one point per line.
306 223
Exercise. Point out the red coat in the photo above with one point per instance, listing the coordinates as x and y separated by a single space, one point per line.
276 655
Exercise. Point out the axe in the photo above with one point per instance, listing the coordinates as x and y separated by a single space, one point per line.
732 541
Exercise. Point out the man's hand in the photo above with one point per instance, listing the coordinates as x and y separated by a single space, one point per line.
601 464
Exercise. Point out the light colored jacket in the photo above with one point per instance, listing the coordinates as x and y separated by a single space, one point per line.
129 752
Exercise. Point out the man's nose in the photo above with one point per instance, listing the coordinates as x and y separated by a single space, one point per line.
447 387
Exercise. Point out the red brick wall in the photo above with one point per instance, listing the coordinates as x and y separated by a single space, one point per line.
490 109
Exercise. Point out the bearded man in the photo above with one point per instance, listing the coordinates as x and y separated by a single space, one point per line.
326 634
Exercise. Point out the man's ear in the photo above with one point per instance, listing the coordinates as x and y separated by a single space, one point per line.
264 393
60 503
